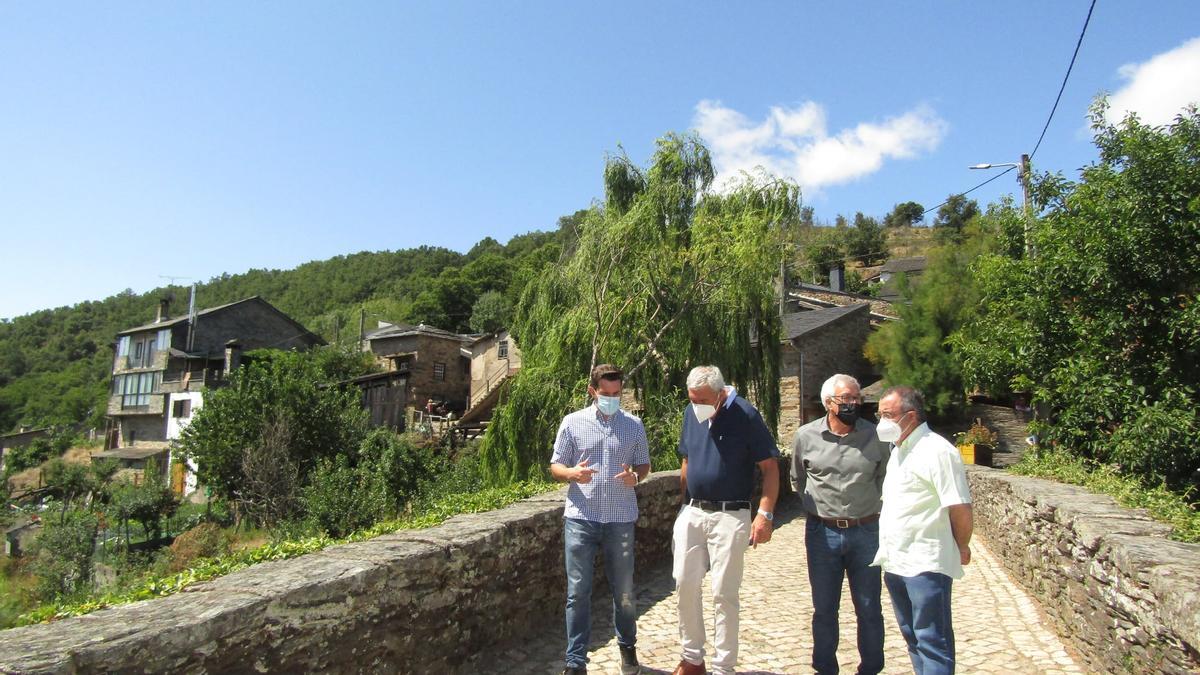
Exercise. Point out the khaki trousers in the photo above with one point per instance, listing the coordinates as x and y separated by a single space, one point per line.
706 541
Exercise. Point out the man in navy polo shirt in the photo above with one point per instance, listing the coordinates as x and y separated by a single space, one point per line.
723 439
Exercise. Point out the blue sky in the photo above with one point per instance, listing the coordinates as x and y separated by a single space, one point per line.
151 139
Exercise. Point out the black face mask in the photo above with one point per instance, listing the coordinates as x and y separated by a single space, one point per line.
847 413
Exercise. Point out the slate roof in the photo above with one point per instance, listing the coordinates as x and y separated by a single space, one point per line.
797 324
907 265
400 330
219 308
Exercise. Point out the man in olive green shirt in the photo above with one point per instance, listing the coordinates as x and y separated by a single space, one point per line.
838 464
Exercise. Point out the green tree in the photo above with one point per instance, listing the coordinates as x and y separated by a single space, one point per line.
148 502
952 218
322 420
823 248
62 555
666 275
856 284
916 350
867 241
904 215
69 481
1103 321
492 312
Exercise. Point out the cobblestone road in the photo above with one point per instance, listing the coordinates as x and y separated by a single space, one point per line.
998 627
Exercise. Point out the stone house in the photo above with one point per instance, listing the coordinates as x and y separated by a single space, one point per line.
817 344
909 267
161 370
19 537
494 358
20 438
431 361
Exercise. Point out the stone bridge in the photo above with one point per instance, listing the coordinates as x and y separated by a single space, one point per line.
1062 582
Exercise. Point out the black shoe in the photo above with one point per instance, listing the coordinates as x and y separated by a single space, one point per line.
569 670
629 662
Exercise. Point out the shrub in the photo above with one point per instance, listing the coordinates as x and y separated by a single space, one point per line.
342 498
405 464
206 540
1174 508
62 555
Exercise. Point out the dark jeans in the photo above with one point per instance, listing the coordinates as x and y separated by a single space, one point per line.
922 605
582 540
833 553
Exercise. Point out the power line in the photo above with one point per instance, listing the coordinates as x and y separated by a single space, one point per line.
1065 78
1053 109
962 194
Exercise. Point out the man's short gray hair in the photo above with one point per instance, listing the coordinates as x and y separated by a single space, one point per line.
831 384
706 376
910 399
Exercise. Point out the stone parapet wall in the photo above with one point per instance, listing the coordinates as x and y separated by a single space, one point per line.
420 601
1113 584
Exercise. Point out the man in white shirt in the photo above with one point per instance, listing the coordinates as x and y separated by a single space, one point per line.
924 529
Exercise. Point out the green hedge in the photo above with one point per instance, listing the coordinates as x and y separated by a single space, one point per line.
161 585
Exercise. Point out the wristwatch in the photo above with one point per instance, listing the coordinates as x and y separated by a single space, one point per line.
768 515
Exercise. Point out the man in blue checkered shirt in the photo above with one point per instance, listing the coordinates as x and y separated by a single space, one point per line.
602 452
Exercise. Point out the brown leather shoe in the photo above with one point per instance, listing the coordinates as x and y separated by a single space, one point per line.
686 668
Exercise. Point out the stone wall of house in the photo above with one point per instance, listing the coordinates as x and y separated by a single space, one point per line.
456 386
834 348
1107 576
419 601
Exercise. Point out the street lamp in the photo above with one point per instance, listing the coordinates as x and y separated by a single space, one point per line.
1022 177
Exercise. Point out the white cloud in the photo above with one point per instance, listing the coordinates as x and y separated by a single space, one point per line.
795 142
1158 89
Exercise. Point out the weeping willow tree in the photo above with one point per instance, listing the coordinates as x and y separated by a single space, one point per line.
666 274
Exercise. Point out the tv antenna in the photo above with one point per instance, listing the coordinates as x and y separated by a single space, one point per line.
191 308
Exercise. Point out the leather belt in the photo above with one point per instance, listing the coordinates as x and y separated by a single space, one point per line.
843 523
706 505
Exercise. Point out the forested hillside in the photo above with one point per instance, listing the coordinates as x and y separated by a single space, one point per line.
54 363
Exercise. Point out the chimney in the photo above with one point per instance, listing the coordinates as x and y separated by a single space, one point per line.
164 305
837 278
233 356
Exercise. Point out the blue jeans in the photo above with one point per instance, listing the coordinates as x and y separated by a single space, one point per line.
922 605
582 539
832 553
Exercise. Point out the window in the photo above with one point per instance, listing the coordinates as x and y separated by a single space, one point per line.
439 372
182 408
137 388
143 351
164 339
502 349
123 346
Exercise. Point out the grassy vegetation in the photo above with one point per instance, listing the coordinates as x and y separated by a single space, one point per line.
1172 508
908 242
158 584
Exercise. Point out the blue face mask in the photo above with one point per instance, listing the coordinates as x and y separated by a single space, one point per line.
608 405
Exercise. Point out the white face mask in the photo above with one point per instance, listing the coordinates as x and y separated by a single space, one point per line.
608 405
703 412
888 431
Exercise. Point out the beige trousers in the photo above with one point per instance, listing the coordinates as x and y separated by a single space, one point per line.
710 541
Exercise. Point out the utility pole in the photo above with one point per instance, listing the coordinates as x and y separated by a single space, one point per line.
191 308
1025 188
362 323
191 338
1022 178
